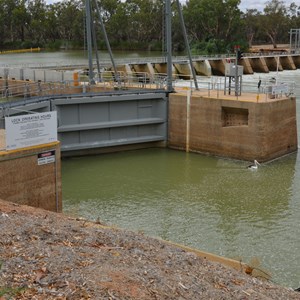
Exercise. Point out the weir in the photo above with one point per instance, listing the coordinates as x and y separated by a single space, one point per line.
202 65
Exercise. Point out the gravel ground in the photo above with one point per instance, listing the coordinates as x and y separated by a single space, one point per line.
45 255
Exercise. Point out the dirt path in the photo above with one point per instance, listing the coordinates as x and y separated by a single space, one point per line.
44 255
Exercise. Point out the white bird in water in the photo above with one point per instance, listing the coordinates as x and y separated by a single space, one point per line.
255 166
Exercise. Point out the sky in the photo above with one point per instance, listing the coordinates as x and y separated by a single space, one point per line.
260 4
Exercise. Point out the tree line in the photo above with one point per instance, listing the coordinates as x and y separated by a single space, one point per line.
213 26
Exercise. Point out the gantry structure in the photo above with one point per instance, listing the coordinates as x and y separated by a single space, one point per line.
92 5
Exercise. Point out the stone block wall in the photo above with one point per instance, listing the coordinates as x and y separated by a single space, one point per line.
25 180
245 130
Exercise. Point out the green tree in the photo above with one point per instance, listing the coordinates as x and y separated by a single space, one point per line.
274 22
70 20
20 19
6 11
215 22
51 24
2 24
37 20
252 26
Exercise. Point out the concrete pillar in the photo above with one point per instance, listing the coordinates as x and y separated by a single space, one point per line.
128 70
161 68
247 66
150 68
258 64
287 63
203 67
29 74
296 60
217 66
40 75
183 70
273 63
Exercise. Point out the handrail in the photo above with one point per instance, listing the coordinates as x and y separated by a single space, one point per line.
135 81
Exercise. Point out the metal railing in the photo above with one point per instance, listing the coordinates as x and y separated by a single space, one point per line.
109 81
216 88
144 60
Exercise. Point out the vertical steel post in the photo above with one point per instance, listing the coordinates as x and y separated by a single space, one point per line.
169 44
187 46
89 40
107 43
96 50
237 48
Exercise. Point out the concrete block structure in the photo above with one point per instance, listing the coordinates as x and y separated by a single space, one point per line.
245 129
25 179
16 74
29 74
39 75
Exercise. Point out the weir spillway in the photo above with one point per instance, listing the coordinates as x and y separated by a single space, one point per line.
155 66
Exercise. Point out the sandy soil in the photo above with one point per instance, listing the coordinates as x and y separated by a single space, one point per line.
44 255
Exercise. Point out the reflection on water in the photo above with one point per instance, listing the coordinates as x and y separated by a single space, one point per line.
213 204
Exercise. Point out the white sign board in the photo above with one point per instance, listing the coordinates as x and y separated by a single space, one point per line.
30 130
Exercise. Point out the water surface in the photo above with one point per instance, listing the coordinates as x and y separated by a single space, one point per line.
213 204
209 203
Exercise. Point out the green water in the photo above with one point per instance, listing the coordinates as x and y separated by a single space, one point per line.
212 204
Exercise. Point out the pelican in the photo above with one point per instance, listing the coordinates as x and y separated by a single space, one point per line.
255 166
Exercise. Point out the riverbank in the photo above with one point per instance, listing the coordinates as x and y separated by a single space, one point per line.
46 255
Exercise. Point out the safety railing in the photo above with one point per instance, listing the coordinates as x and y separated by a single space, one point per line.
215 87
106 81
109 81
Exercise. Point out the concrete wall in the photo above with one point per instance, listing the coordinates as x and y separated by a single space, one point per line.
36 74
23 181
235 129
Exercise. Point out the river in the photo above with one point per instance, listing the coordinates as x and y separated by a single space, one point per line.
213 204
67 57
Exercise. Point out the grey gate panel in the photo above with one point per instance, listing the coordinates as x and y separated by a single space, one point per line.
111 120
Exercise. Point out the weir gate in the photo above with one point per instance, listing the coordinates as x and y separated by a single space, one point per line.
96 122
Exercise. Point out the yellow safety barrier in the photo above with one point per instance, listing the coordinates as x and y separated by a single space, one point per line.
76 78
21 50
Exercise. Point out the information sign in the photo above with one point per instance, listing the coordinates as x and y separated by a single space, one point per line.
30 130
